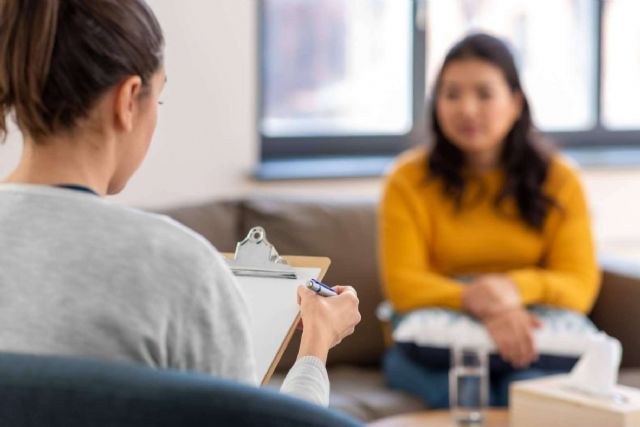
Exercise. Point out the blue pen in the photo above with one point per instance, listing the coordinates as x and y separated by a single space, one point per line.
320 288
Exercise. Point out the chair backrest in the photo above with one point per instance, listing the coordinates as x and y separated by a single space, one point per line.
48 391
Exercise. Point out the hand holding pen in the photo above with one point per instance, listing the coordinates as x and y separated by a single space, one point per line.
320 289
326 320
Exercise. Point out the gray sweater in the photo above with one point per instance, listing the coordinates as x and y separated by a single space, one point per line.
80 276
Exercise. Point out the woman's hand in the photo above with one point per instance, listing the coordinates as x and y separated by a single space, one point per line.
327 320
512 332
490 295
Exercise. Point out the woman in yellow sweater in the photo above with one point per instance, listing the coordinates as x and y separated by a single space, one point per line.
484 222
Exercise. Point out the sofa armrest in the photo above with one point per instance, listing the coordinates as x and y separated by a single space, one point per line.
616 312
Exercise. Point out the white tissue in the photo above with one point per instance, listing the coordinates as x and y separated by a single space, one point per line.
596 373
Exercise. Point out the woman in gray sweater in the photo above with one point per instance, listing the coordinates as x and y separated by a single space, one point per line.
80 276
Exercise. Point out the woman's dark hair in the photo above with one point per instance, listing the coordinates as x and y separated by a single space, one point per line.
523 159
57 57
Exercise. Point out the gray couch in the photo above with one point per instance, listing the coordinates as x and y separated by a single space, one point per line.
345 231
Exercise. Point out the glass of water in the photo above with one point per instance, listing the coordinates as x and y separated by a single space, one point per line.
468 384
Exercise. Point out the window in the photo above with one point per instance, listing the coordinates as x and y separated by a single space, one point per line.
337 74
621 65
349 77
333 68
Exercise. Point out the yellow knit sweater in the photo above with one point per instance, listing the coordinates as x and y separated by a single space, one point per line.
427 245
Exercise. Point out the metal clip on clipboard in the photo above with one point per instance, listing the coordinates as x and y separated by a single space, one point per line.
255 256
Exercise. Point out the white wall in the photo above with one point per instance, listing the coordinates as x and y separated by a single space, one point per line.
205 143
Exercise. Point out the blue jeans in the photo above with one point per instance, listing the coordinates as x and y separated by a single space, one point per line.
432 385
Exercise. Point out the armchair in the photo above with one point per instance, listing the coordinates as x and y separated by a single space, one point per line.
50 391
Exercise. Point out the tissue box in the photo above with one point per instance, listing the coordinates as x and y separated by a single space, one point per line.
550 402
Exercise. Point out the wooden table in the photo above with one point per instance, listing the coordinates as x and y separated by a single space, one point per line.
440 418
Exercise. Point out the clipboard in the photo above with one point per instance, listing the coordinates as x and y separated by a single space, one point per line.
269 283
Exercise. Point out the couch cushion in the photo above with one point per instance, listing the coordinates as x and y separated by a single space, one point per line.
361 393
345 231
218 221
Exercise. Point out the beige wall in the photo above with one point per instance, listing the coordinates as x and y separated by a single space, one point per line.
205 142
205 145
614 197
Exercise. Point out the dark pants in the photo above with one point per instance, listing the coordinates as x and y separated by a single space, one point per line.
432 384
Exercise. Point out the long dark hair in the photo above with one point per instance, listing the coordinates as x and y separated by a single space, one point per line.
523 159
57 57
